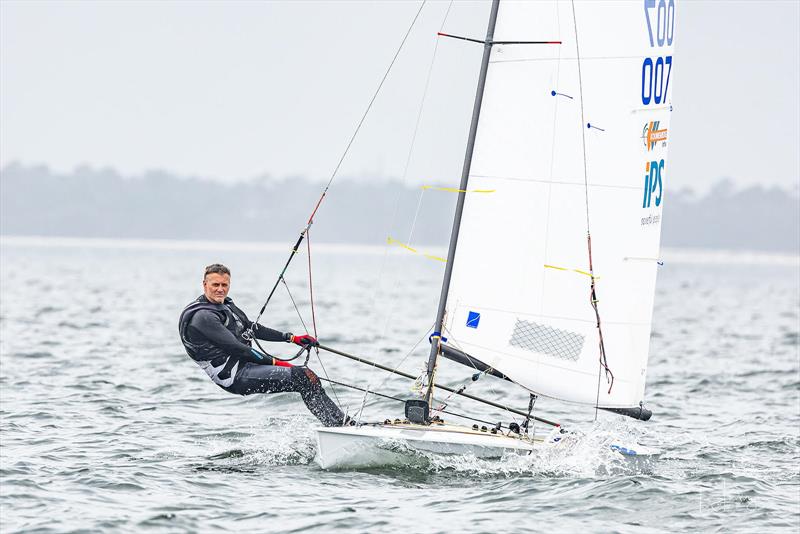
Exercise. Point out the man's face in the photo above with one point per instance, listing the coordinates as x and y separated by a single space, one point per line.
216 287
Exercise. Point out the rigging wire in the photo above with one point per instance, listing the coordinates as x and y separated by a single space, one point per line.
398 399
473 378
296 309
369 392
311 287
444 402
409 156
372 100
452 341
593 293
305 233
440 386
249 332
409 353
419 117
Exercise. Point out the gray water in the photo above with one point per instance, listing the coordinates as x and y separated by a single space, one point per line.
106 425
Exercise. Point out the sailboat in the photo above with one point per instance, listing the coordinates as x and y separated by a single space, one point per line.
550 280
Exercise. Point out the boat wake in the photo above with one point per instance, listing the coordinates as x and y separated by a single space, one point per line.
290 441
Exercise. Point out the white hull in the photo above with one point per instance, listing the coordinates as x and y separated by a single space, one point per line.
381 445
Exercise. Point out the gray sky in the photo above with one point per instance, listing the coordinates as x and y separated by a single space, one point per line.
238 90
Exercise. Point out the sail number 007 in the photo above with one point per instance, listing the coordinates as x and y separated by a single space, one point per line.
655 73
655 79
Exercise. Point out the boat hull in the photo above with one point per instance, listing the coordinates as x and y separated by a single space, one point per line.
382 445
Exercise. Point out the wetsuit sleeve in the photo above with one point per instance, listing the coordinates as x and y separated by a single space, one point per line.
266 333
207 324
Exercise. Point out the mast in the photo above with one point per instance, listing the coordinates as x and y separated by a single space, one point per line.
451 252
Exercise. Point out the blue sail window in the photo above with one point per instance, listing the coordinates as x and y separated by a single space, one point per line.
473 318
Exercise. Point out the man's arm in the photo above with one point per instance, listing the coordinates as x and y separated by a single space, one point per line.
208 324
266 333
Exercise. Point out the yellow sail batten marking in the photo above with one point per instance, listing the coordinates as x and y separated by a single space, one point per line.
437 258
456 190
399 244
393 241
557 268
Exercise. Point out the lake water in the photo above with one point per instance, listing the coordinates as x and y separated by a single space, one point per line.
106 425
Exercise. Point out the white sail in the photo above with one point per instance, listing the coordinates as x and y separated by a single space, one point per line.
519 299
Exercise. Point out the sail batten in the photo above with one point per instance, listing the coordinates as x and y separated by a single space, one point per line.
520 293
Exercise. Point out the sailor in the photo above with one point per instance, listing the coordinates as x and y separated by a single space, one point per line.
213 331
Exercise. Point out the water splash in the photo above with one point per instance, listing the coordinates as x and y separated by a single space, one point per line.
579 454
276 441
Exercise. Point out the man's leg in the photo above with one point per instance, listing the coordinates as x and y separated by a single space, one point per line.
253 378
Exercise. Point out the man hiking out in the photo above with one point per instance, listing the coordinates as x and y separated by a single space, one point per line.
212 330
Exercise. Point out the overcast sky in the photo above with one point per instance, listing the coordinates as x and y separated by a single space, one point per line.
237 90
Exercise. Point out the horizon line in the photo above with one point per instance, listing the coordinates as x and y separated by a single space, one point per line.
677 255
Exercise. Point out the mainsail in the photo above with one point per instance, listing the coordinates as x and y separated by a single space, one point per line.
572 139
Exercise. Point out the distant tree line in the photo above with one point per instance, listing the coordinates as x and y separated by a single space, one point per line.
100 203
755 218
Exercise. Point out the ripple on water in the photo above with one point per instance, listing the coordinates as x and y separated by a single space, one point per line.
106 425
34 355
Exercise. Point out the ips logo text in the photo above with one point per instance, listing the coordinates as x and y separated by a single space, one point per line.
652 183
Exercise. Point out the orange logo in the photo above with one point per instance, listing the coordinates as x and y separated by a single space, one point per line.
651 135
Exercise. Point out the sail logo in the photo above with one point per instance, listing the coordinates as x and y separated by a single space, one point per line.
653 185
652 135
473 318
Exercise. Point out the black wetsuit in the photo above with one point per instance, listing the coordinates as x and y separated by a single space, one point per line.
212 336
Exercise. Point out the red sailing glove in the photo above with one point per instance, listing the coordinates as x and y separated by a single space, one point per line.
304 340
